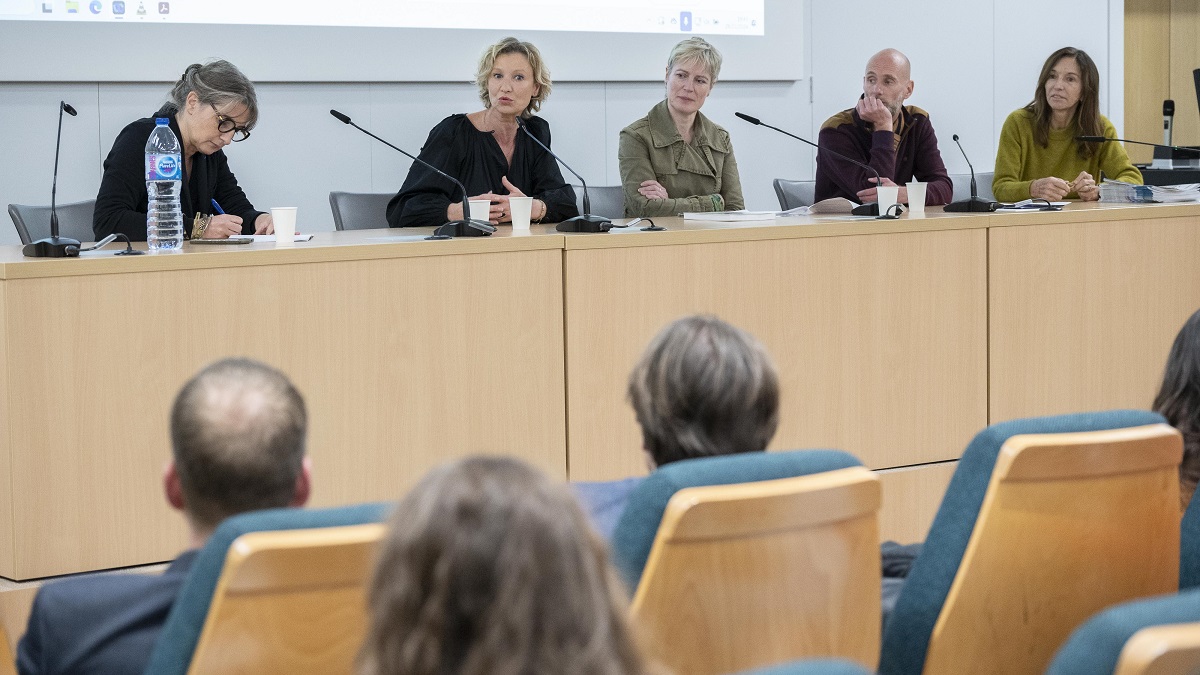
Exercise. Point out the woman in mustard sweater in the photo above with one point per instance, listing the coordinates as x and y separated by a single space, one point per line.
1038 155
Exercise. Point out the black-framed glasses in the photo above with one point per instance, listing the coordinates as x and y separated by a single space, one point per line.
226 125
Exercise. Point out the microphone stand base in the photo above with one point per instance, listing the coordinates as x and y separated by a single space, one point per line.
585 223
868 209
971 205
463 228
52 247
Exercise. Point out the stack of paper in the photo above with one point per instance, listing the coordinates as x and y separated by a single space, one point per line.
1176 193
1114 191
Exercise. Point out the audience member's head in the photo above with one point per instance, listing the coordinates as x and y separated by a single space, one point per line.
489 567
1179 401
238 443
704 388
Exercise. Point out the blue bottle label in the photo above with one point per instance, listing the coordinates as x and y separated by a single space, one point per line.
162 167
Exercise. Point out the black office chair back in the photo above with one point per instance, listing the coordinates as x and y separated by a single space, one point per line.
359 210
607 200
74 221
793 193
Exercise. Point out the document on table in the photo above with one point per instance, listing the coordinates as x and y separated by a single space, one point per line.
259 238
730 216
831 205
1030 205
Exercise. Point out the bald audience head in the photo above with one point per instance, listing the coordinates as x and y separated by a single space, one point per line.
238 442
888 78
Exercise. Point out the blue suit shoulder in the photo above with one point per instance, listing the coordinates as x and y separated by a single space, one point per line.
102 624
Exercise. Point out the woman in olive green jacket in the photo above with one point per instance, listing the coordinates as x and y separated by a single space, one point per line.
675 159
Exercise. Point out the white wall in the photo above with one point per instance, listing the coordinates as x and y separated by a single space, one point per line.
973 63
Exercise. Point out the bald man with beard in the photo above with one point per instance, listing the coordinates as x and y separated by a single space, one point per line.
896 140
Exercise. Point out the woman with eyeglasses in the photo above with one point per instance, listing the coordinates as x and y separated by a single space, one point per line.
211 106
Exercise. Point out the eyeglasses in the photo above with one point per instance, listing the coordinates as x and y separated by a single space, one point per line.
226 125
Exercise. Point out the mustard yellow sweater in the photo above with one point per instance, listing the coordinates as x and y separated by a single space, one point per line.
1020 160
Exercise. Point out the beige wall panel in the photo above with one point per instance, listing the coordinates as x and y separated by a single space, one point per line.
1148 75
6 438
911 497
1185 57
1083 314
404 362
880 340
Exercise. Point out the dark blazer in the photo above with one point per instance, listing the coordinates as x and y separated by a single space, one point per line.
99 624
475 158
121 203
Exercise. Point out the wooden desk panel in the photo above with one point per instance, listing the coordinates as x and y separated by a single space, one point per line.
410 352
911 497
396 357
880 340
1084 314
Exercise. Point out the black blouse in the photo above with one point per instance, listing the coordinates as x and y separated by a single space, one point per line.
121 203
475 158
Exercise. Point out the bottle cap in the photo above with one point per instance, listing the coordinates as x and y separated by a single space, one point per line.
162 121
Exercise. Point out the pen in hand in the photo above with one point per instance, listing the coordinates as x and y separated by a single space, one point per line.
220 211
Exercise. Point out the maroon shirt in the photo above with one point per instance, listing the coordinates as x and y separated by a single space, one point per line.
908 154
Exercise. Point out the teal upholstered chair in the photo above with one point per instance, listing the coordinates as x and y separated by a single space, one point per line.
812 667
1189 546
753 559
1095 647
907 636
638 525
181 632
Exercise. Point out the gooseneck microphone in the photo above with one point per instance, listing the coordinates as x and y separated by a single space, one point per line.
1106 139
55 246
1168 120
974 203
868 209
581 223
468 226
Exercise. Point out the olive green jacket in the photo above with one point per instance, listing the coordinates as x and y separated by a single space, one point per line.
699 176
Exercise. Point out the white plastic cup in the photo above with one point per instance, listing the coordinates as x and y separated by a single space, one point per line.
887 197
522 208
481 209
916 198
284 218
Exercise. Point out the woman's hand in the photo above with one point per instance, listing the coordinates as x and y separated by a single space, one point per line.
505 208
652 189
264 224
1086 188
1050 188
223 226
455 210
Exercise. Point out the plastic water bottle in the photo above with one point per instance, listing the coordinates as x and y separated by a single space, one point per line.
164 169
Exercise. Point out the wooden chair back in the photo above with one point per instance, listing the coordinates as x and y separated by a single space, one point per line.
752 574
1070 523
8 660
1162 650
291 601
